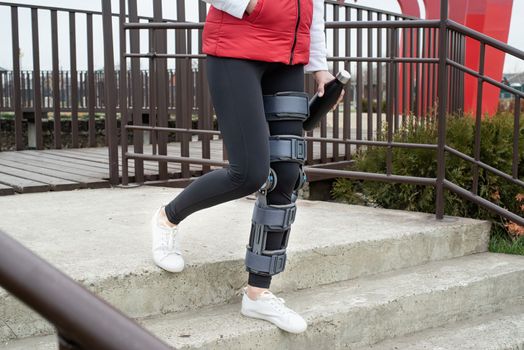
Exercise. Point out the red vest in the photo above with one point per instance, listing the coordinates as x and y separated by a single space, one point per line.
276 31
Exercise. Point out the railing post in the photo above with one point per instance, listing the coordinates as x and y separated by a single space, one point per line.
442 108
110 90
16 101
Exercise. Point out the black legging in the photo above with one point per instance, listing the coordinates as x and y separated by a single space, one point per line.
236 87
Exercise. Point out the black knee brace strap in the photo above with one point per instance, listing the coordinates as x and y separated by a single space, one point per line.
287 148
286 105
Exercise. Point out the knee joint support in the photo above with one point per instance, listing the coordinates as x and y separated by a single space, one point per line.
270 218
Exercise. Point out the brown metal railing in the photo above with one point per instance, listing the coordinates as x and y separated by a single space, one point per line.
424 76
82 320
31 94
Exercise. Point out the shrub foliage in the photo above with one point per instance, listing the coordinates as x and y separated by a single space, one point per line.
496 149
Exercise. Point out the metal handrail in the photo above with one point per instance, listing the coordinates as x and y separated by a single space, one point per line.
83 321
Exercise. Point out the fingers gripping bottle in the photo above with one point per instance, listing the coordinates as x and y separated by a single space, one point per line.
320 106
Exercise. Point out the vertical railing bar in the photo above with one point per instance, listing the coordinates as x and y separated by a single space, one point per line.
110 90
478 118
434 71
145 83
123 91
395 48
2 90
379 78
516 136
37 101
205 109
161 113
19 138
336 39
170 91
453 71
417 80
423 68
390 105
462 60
23 90
56 81
346 131
405 109
443 55
359 80
182 115
138 136
369 80
323 122
74 79
428 73
151 80
90 82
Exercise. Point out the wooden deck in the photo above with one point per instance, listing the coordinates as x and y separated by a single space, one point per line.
68 169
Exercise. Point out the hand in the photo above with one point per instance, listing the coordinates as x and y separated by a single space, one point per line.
251 6
322 77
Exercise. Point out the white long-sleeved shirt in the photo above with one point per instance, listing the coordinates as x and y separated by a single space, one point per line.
317 50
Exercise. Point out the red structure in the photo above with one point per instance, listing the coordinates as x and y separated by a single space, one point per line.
491 17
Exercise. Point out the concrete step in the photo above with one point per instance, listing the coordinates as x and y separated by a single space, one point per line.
354 313
101 238
502 330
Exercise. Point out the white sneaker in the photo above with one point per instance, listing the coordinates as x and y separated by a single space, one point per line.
271 308
165 254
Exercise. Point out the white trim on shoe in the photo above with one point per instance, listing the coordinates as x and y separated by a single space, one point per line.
165 255
271 308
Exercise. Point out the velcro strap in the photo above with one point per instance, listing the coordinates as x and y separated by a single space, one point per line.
271 265
286 106
274 217
287 148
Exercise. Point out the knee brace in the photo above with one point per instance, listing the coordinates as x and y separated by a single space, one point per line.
267 218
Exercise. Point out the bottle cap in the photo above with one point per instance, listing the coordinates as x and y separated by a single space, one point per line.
343 76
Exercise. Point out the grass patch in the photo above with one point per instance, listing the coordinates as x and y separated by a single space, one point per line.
500 244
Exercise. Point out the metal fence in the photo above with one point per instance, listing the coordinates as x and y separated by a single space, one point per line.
76 91
424 75
65 87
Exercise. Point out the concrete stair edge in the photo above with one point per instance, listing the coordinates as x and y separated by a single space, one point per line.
499 330
354 313
151 291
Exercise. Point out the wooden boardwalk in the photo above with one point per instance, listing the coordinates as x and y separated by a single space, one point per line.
68 169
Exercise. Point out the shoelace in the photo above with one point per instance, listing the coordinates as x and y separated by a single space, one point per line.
277 302
169 241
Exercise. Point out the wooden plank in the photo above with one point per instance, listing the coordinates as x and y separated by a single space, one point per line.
89 182
73 168
23 185
58 156
152 165
6 190
54 183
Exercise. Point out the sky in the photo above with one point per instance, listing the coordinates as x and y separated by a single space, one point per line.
516 37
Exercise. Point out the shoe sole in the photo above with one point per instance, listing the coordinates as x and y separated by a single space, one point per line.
256 315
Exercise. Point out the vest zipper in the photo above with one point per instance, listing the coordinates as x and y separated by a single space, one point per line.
296 30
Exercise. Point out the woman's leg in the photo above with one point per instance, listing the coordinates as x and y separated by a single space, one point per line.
235 87
280 77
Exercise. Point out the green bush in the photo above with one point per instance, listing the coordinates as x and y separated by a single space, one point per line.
374 106
496 150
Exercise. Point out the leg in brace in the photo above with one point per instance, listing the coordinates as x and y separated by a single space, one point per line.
272 219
